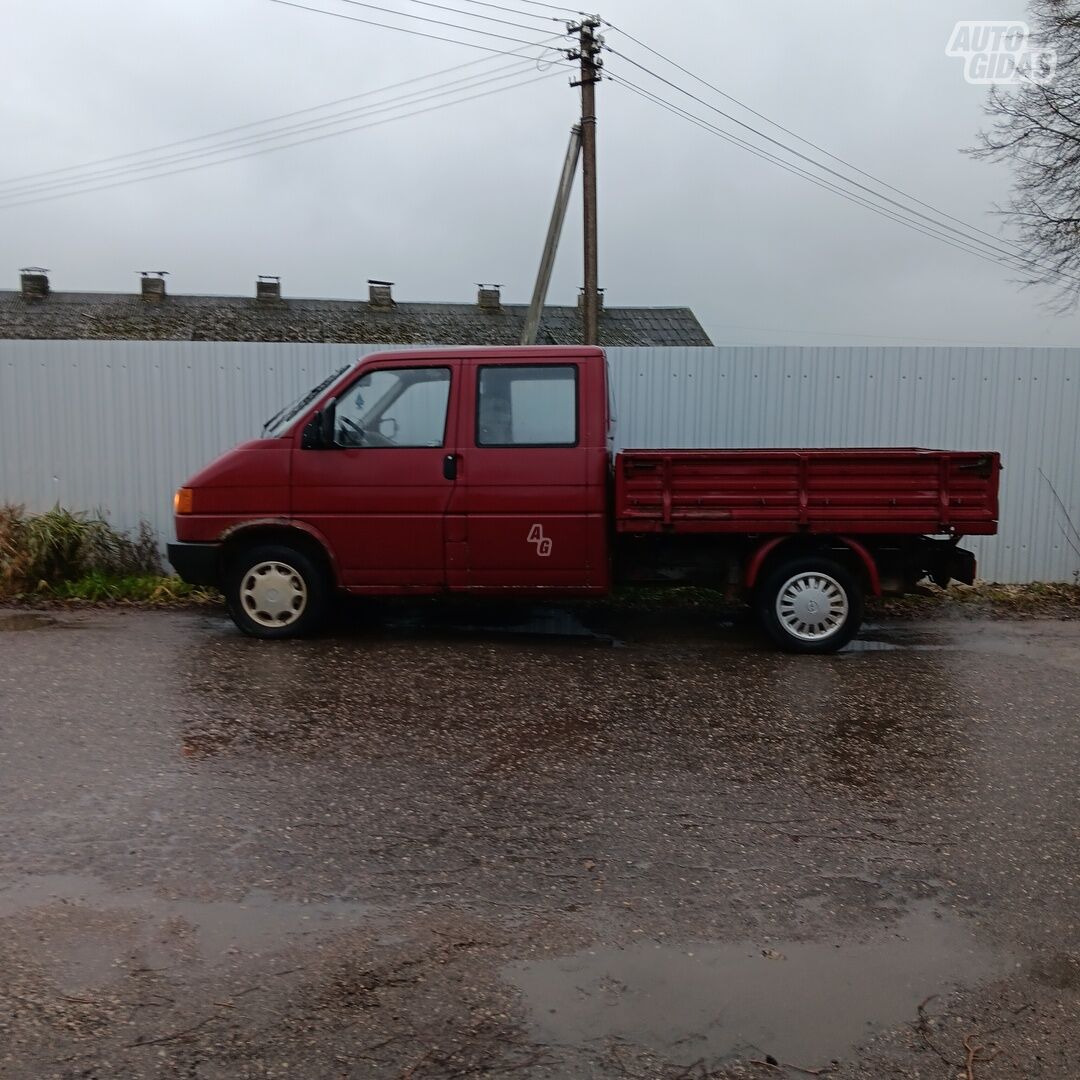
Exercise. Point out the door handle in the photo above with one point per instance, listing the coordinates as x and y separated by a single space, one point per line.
449 467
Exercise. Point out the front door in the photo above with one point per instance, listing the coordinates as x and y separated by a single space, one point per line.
381 494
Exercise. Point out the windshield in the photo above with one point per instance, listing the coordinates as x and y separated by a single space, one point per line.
277 423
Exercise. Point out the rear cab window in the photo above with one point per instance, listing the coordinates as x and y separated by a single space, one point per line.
527 405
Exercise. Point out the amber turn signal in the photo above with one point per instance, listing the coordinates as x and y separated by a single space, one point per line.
183 500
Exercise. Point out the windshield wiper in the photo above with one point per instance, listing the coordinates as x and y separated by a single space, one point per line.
273 420
291 410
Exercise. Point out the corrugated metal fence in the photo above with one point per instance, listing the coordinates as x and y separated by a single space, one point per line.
119 425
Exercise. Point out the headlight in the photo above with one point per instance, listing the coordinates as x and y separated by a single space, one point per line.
183 501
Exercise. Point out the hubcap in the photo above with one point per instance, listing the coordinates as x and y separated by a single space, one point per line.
273 594
812 606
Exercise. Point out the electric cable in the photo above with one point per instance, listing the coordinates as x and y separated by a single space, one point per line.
313 124
17 181
809 142
796 170
269 149
402 29
966 237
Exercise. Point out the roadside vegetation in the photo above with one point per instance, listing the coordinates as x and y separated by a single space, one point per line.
66 556
71 556
1052 600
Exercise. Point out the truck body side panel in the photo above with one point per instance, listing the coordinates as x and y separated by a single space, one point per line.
872 492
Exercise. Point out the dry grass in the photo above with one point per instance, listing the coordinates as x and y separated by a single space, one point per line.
54 551
1057 600
153 590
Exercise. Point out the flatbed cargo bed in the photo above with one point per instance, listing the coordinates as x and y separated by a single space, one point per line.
880 491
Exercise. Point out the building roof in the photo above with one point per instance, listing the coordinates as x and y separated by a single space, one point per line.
66 315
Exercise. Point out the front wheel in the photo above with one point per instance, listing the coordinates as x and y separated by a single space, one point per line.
810 605
274 591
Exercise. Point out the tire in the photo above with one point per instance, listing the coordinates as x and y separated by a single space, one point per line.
822 620
275 591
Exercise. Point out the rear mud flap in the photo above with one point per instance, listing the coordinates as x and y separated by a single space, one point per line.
942 561
961 566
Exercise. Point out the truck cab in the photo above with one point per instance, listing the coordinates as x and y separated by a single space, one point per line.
420 472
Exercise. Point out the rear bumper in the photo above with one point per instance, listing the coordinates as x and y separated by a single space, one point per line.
197 564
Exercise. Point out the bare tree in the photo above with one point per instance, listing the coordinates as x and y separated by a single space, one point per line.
1037 127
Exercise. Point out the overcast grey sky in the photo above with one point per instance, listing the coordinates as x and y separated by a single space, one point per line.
441 201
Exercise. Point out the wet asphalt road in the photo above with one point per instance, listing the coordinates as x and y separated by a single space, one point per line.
476 842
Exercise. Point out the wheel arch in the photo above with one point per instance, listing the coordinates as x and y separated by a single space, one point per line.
278 531
771 551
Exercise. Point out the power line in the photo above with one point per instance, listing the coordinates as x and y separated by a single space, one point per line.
817 164
443 22
16 180
402 29
425 94
796 170
516 11
926 225
446 7
809 142
812 161
421 96
532 3
283 146
1025 261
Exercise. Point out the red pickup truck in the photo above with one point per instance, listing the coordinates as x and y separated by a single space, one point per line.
489 471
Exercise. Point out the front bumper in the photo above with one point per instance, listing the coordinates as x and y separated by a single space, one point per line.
197 564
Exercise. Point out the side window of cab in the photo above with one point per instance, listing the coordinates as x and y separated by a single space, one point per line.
527 405
394 408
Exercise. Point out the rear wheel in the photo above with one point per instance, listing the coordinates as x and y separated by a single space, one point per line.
274 591
810 604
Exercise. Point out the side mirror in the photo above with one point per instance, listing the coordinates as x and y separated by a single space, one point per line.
319 430
326 417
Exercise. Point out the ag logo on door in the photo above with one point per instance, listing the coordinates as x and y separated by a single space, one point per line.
543 543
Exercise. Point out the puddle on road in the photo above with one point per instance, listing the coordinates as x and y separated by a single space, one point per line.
871 645
1014 641
594 624
260 922
512 621
807 1002
877 637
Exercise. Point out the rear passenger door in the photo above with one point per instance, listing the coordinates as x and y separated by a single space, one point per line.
519 516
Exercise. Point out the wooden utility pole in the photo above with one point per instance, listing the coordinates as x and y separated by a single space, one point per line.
587 52
551 245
